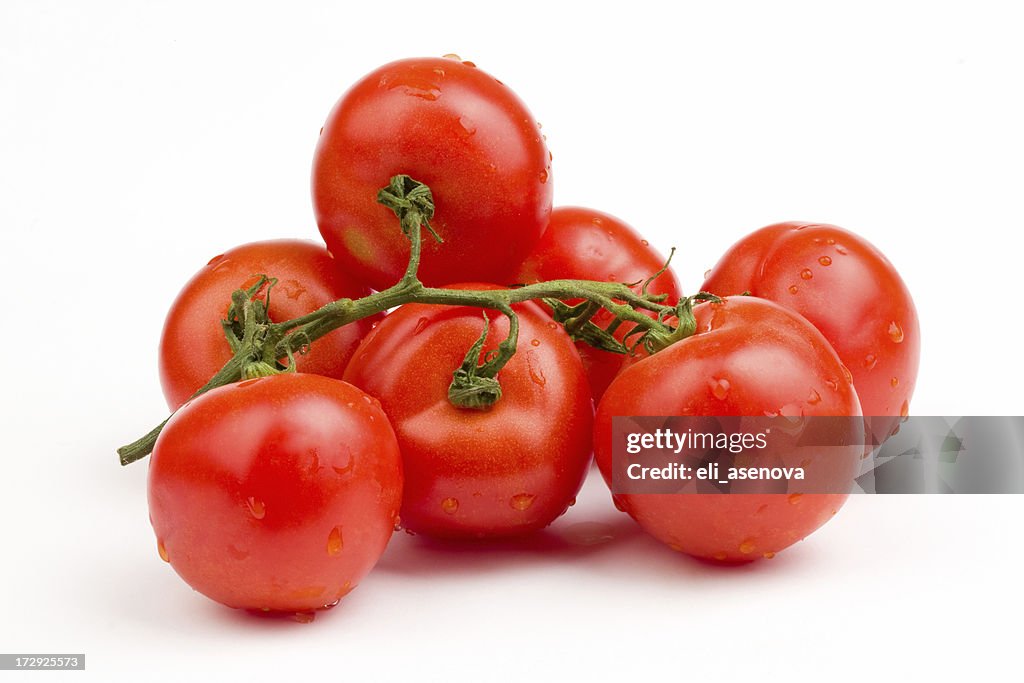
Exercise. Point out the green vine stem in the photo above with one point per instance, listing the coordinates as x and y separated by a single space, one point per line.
263 343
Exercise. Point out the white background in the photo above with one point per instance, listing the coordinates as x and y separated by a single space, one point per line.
140 139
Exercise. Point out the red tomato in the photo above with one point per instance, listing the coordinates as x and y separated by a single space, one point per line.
848 289
504 471
276 493
584 244
748 357
460 131
193 346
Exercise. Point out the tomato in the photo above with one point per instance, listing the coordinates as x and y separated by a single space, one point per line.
278 493
848 289
507 470
748 357
193 346
584 244
460 131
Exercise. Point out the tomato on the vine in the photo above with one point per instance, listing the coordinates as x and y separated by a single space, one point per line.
748 357
585 244
193 346
848 289
507 470
278 493
459 130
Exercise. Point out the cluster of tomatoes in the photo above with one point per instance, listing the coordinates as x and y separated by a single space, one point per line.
281 492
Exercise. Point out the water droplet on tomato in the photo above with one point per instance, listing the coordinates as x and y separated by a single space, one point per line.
450 505
747 546
794 498
895 332
161 549
421 325
841 249
256 507
543 176
304 617
768 555
814 397
522 501
439 72
645 243
905 409
870 361
847 375
334 541
469 64
398 523
215 259
552 324
536 373
452 55
793 289
248 382
894 382
535 342
806 274
830 241
595 221
825 261
832 384
719 388
467 126
707 273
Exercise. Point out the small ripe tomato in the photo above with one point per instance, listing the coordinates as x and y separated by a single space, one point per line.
193 346
749 357
460 131
847 289
584 244
506 470
278 493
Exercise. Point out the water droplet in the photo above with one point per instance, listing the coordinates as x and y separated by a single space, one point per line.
719 388
468 126
814 397
215 259
832 384
421 325
439 72
841 249
720 556
321 130
536 373
535 342
830 241
847 375
452 55
522 501
552 324
870 361
334 541
543 176
894 382
794 498
645 243
895 332
450 505
572 502
595 221
806 274
304 617
768 555
747 546
707 273
162 551
398 523
793 289
256 507
429 93
469 64
248 382
905 409
825 261
551 157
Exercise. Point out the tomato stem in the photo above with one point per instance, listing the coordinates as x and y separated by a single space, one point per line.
259 344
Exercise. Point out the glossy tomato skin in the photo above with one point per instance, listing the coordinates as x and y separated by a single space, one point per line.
585 244
193 346
460 131
748 357
505 471
847 289
276 493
